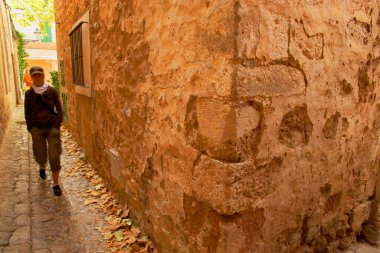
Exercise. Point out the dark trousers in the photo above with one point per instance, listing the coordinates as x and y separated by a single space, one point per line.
47 142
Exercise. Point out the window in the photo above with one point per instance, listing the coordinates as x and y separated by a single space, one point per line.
80 56
77 55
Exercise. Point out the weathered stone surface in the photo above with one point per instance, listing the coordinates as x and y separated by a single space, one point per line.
233 188
359 30
232 239
18 248
221 185
268 81
362 248
20 236
220 128
263 32
359 215
277 26
9 96
22 208
188 93
42 251
371 234
247 119
330 127
296 127
248 29
4 238
345 87
311 227
311 46
23 220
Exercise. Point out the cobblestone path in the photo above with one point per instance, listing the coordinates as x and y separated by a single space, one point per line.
32 219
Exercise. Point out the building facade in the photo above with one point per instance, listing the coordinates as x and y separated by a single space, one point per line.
9 82
43 54
228 126
41 48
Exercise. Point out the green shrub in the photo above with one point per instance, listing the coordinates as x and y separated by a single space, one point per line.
54 80
21 55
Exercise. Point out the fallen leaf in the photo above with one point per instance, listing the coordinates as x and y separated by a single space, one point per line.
107 235
90 201
131 240
119 235
123 245
99 186
136 232
95 194
125 214
127 221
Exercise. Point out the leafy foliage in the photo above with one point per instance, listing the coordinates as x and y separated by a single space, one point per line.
54 80
40 12
21 55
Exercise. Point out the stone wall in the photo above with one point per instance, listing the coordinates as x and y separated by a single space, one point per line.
234 126
9 83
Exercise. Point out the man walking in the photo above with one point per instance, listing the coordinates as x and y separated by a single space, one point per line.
43 114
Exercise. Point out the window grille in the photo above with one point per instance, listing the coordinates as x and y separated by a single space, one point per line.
77 55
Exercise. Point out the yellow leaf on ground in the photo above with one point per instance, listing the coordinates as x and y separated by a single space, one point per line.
95 194
90 201
136 232
131 240
107 235
99 186
119 235
124 214
118 212
127 221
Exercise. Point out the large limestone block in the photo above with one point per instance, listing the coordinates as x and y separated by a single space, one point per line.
268 81
221 185
248 30
230 188
278 38
247 118
262 32
232 239
216 120
222 129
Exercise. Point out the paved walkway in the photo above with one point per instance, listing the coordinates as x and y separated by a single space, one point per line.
32 219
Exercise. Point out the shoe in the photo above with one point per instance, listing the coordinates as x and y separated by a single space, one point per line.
42 174
57 190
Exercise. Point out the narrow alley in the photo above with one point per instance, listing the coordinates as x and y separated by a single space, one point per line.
34 220
233 126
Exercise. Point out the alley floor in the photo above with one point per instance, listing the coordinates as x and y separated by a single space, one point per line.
86 218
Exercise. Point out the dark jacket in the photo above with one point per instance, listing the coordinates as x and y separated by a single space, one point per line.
43 110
